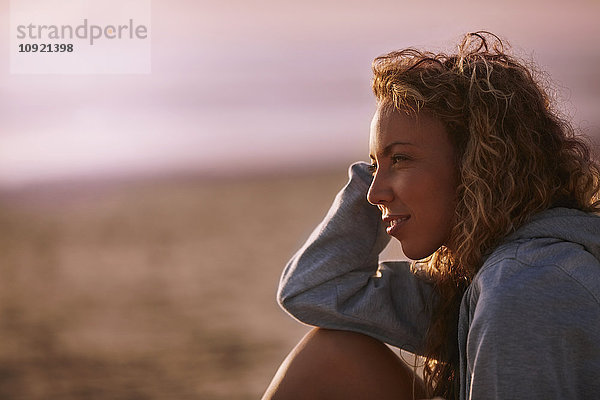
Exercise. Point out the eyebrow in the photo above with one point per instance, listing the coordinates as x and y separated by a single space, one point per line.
388 149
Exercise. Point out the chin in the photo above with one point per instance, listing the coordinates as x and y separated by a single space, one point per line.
417 254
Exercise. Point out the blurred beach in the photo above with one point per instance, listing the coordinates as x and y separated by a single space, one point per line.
151 289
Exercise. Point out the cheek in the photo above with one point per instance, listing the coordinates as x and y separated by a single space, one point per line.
436 199
405 184
446 202
423 188
429 193
418 181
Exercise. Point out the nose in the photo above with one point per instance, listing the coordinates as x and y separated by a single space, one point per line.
379 192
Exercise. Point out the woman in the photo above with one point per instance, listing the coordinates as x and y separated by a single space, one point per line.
495 197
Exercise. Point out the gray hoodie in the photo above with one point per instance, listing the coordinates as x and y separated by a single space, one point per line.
529 323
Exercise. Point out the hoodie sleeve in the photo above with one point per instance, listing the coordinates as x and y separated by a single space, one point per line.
534 335
334 280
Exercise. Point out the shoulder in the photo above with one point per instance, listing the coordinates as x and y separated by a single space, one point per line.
533 323
538 263
536 301
540 279
520 312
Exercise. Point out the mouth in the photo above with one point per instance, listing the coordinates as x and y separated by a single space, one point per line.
395 222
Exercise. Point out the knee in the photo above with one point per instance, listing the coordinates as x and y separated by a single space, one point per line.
334 347
337 364
318 365
324 355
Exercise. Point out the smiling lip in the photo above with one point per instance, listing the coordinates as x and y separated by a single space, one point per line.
395 222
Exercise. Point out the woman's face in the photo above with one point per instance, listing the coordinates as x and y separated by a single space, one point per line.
415 179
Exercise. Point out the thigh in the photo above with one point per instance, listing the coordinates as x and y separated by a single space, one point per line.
332 364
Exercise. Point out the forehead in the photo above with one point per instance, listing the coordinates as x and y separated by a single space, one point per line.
392 126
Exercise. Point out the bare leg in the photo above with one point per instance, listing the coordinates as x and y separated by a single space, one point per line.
330 364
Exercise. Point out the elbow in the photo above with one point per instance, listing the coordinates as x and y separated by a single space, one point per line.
285 298
309 307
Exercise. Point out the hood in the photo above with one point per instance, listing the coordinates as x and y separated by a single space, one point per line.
566 224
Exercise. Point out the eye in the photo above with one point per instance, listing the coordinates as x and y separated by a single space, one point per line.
372 168
398 158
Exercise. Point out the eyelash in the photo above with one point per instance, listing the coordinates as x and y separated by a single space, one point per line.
396 158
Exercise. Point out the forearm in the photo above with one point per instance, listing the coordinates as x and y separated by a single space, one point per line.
334 280
348 239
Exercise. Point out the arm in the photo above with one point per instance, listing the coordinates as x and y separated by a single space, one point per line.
535 337
334 281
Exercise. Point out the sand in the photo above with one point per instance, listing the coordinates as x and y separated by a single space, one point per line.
159 289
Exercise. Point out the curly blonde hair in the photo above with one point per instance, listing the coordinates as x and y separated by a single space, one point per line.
516 157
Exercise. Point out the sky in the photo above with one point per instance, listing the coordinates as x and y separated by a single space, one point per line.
239 87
